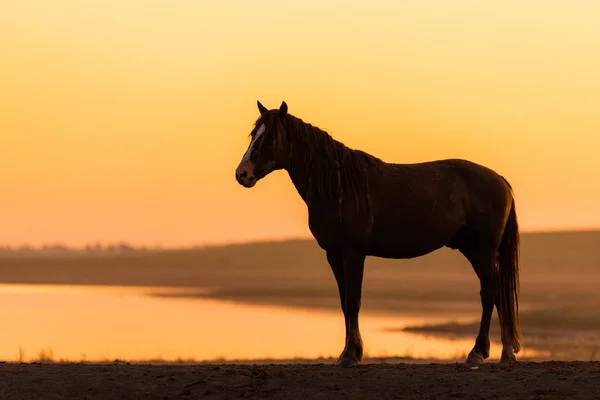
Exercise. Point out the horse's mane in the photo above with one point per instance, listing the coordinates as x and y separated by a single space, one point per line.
333 173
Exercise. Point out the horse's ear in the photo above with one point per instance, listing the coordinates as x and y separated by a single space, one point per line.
261 108
283 109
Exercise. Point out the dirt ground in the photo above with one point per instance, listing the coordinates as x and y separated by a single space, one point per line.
548 380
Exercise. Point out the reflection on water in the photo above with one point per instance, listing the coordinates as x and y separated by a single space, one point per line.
106 323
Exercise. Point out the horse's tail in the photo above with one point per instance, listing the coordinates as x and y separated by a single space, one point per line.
508 264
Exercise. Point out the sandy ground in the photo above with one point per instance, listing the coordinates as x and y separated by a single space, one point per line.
549 380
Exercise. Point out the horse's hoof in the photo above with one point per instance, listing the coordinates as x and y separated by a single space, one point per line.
508 358
474 359
346 362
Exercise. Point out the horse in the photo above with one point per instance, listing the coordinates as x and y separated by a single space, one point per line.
359 206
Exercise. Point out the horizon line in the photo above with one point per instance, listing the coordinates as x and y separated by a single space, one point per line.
127 246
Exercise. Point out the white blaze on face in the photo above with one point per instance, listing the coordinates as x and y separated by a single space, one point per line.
260 131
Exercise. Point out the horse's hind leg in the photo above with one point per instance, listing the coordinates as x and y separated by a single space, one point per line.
507 355
483 263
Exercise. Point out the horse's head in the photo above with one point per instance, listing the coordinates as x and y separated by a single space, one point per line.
264 154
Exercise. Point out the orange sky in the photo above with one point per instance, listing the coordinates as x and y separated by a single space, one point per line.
125 120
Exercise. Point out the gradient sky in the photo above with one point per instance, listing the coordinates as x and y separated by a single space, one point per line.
125 120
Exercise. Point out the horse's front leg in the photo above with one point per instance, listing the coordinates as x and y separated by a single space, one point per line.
354 263
336 262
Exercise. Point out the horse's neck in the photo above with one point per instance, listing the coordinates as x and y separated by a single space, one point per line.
307 173
299 180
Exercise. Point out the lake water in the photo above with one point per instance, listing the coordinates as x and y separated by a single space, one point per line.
129 323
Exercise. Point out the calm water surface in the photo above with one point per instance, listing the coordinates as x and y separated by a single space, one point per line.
106 323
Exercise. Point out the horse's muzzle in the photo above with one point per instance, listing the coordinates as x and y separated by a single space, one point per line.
244 174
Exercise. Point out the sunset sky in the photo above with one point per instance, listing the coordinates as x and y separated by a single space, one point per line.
125 120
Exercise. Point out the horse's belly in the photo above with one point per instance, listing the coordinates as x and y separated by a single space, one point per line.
402 241
402 249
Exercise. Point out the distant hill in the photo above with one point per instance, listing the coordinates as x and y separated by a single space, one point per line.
555 267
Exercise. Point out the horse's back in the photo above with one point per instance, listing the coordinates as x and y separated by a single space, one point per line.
473 181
